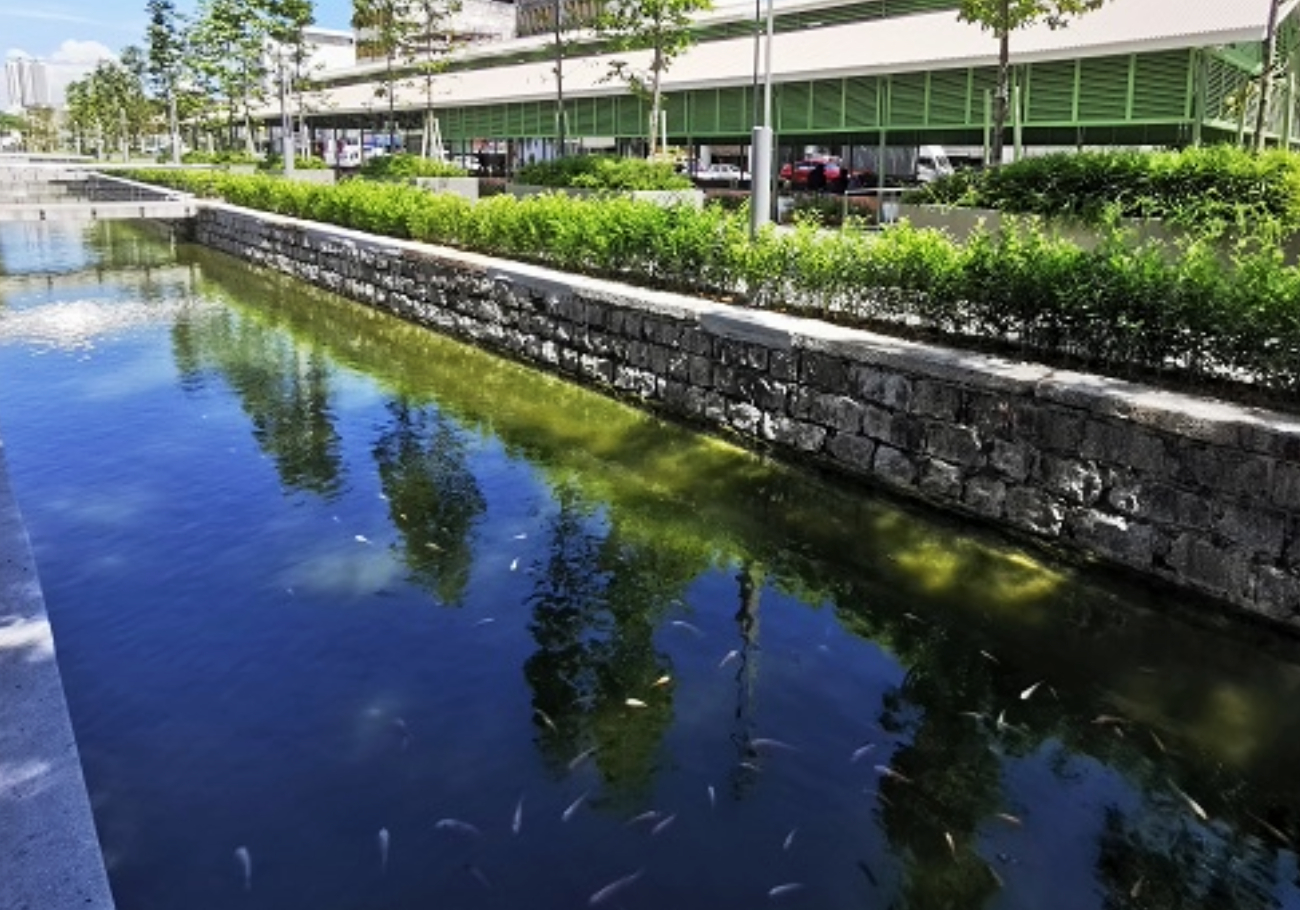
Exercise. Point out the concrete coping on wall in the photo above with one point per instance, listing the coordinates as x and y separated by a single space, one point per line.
1207 420
47 833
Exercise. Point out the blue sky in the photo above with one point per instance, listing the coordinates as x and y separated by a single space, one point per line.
71 35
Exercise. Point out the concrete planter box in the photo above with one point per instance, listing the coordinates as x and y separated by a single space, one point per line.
241 168
465 187
694 198
961 223
319 176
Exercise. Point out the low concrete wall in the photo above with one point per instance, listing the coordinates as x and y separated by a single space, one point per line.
51 855
465 187
1197 493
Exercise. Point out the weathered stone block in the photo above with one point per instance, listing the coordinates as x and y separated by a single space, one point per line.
941 480
806 437
1286 486
986 495
1076 482
894 467
1276 594
1219 571
838 412
936 399
1052 429
951 443
783 366
899 430
700 370
1114 536
993 416
1227 470
771 396
875 386
1014 460
1256 530
1035 511
824 371
745 418
852 450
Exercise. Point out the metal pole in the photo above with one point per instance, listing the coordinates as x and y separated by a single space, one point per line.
1018 122
760 197
988 125
286 122
559 81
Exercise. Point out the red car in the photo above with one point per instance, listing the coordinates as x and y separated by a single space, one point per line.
815 174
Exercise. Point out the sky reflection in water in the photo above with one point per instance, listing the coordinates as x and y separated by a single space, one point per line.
315 573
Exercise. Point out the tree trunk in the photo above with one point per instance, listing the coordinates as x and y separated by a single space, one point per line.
392 102
1003 92
559 82
1266 77
656 99
173 125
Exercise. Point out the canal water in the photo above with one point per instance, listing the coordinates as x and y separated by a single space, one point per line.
353 616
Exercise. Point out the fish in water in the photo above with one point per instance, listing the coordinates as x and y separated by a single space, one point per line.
485 621
546 719
890 772
574 806
514 564
455 824
1024 696
245 860
479 875
1191 803
651 816
861 751
683 624
1010 819
767 743
517 823
403 734
989 657
866 870
727 658
789 839
634 703
952 844
782 890
614 888
520 536
662 681
663 824
361 538
713 797
581 757
383 851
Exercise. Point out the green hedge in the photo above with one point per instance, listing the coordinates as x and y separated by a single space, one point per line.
1121 309
219 158
275 163
603 172
402 167
1212 191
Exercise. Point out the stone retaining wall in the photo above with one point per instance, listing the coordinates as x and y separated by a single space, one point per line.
1201 494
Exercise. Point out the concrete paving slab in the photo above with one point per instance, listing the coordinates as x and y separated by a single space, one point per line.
49 853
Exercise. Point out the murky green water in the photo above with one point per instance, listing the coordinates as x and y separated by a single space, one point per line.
316 575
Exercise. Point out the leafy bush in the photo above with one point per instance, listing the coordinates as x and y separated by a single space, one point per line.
227 157
275 163
1211 192
403 167
1121 308
604 172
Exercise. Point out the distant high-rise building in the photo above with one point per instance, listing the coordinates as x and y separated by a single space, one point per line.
28 82
538 16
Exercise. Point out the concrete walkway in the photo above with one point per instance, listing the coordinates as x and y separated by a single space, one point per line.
49 853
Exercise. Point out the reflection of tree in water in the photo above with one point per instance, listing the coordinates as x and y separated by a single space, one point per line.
744 775
282 387
596 605
948 759
1163 862
433 497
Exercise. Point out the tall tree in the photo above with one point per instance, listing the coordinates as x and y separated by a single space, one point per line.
229 41
659 26
387 28
286 27
1266 76
166 40
1002 17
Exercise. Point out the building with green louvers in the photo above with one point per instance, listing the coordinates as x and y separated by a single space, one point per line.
1135 72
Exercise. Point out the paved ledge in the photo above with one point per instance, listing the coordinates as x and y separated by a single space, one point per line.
51 855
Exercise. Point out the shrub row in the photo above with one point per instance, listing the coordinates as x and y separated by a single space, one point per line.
604 172
403 166
227 157
275 163
1121 308
1211 191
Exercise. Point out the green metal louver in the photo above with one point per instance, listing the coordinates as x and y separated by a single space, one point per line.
861 110
794 105
1049 92
947 98
907 100
1105 96
1160 85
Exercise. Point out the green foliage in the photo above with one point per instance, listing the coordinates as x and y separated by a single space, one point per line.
1002 16
1121 308
603 172
1211 192
275 163
222 157
403 167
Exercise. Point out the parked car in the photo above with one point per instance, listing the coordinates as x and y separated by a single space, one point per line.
815 174
724 174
